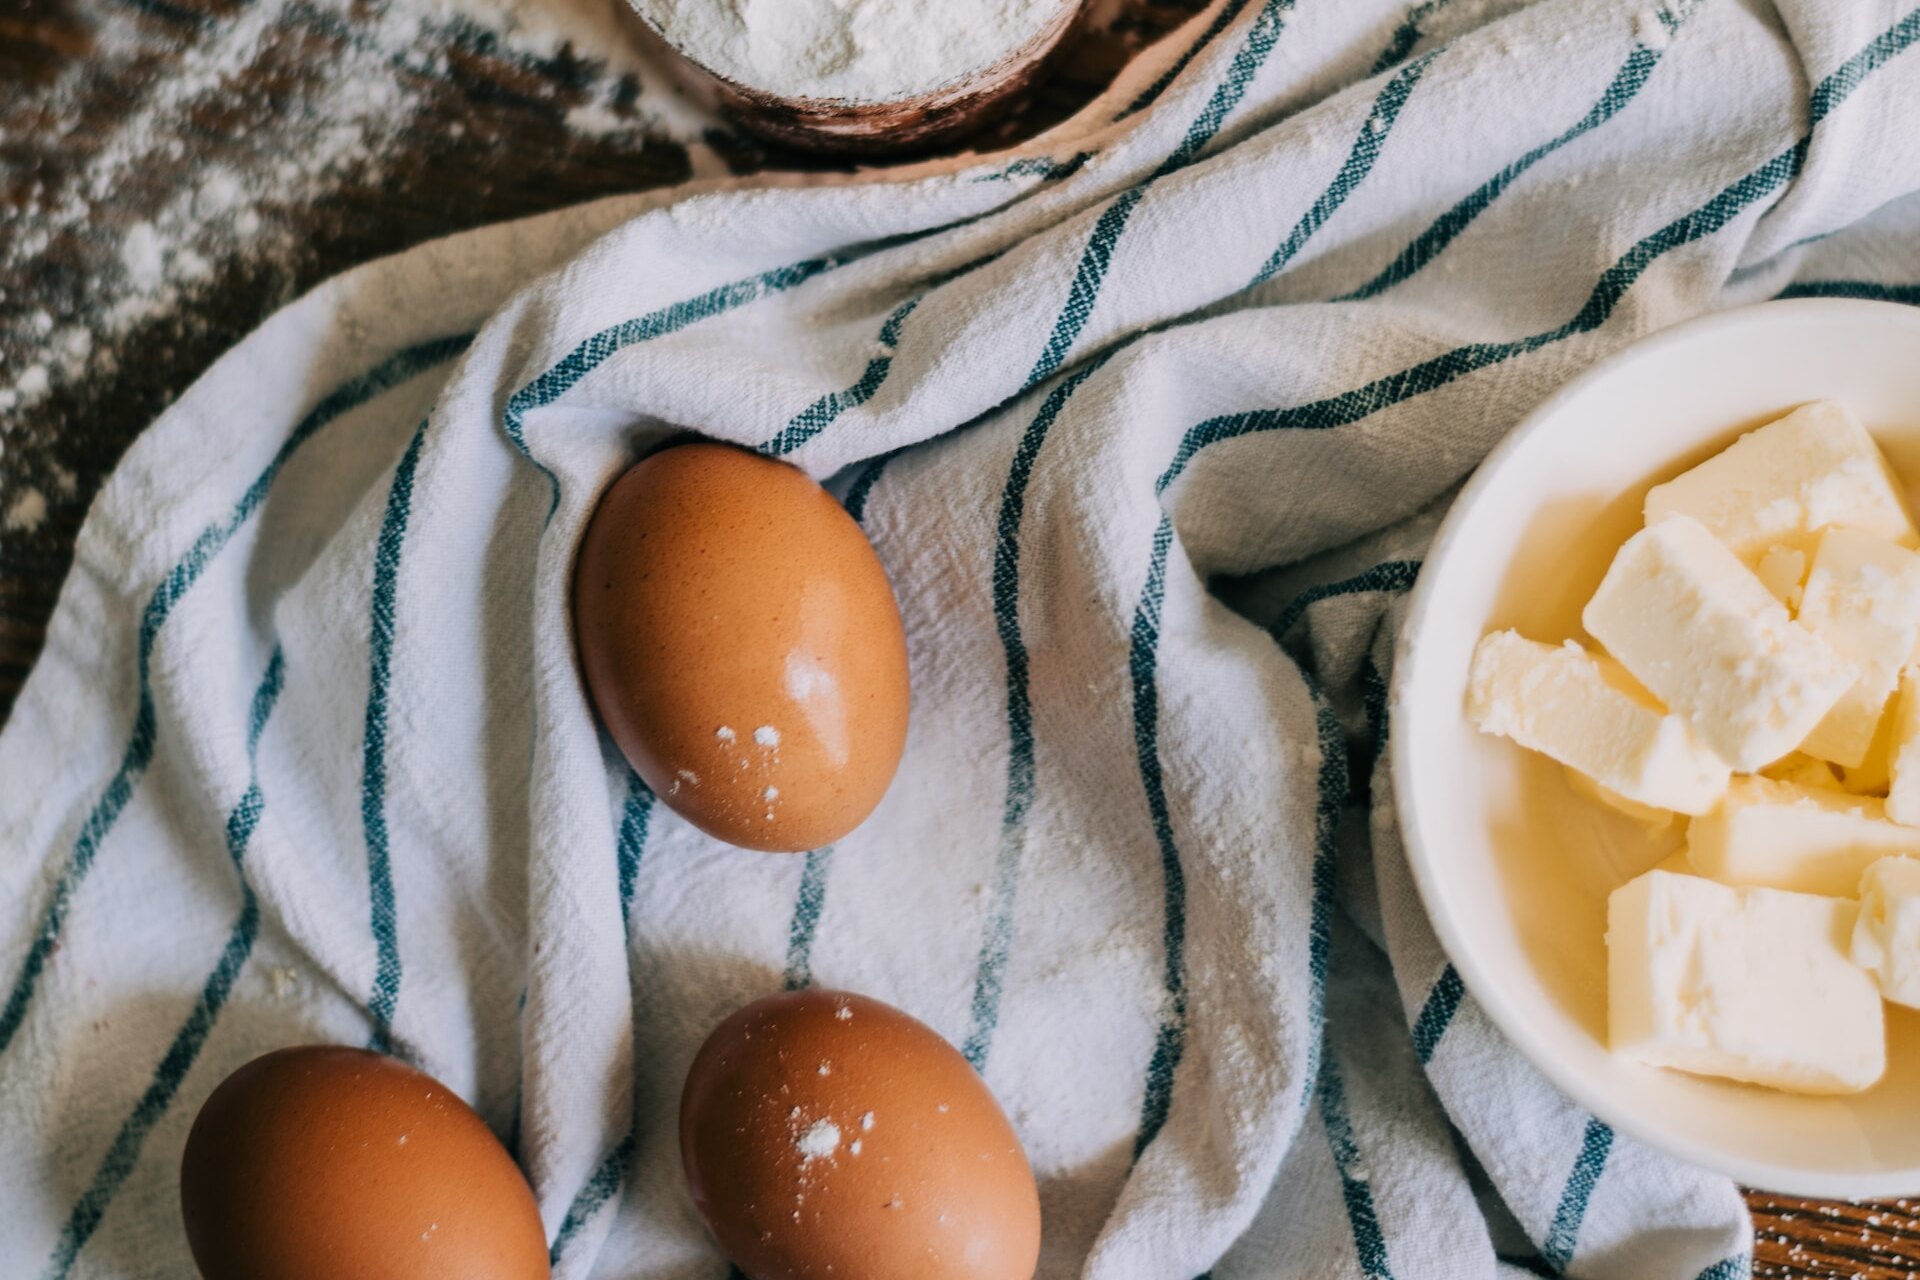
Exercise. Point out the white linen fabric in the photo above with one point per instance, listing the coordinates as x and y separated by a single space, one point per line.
307 756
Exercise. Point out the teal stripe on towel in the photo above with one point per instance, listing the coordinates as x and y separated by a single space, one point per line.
1436 1014
997 939
811 898
1366 148
1429 244
862 487
1095 259
1330 795
191 1038
1369 1242
1229 12
1392 576
636 816
1870 290
1169 1042
594 351
607 1178
373 750
144 737
828 409
1405 36
807 905
822 413
1563 1236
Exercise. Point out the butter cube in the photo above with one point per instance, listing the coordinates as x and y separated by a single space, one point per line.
1871 776
1783 571
1886 939
1582 711
1784 836
1751 984
1813 468
1863 598
1903 751
1697 628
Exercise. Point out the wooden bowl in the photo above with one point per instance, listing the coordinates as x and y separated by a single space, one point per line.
871 130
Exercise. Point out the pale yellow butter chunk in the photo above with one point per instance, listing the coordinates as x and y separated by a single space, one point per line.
1783 571
1903 751
1697 628
1804 839
1870 776
1863 598
1813 468
1750 984
1886 940
1582 711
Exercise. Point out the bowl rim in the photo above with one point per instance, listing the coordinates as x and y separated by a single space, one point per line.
1424 860
961 86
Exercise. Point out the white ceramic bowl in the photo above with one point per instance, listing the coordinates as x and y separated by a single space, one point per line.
1514 868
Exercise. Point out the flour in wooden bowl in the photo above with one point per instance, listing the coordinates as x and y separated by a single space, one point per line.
859 51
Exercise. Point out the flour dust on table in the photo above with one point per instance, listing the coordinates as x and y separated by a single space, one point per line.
352 114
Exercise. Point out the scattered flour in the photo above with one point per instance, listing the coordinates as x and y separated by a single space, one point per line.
598 120
767 736
821 1139
336 130
26 512
144 257
855 50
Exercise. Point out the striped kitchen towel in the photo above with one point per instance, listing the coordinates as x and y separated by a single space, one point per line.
1149 422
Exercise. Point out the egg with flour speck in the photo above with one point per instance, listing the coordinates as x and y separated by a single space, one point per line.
742 645
320 1163
827 1134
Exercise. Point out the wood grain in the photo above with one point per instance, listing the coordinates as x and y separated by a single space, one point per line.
488 141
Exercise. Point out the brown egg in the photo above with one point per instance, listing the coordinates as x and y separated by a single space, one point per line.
743 647
321 1163
828 1135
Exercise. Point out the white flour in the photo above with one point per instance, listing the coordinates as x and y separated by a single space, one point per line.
27 511
857 50
339 131
820 1140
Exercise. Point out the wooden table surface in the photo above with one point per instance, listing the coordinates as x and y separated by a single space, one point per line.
113 114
